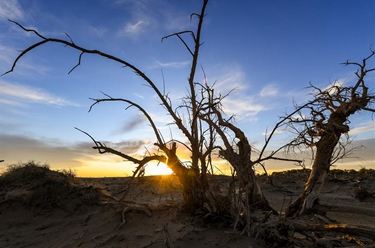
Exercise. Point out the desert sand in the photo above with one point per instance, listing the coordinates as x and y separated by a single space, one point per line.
44 208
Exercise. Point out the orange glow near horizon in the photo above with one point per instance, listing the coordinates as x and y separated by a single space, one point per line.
158 169
111 166
106 166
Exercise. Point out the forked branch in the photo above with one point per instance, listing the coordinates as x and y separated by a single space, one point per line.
102 148
83 50
144 112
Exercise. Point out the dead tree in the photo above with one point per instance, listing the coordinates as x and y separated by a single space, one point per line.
235 148
193 176
321 124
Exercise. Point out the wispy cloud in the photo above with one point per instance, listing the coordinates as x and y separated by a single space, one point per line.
153 15
25 148
276 132
358 130
231 78
178 64
134 29
10 9
97 31
30 94
79 155
269 90
11 102
243 107
6 55
238 102
139 19
177 21
138 95
24 67
131 125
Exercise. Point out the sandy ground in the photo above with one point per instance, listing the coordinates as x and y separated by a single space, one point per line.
149 217
339 189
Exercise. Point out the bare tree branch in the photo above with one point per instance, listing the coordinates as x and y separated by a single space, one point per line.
324 124
144 112
102 148
108 56
182 40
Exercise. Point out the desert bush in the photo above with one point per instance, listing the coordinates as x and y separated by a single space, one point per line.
23 173
43 188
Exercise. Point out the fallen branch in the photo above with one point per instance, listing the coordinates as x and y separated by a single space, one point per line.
124 211
366 232
346 209
167 236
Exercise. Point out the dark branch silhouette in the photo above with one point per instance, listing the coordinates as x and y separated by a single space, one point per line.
322 123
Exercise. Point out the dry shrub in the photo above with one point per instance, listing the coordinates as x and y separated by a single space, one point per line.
22 174
38 187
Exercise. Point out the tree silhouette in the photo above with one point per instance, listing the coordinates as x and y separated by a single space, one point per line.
321 124
206 130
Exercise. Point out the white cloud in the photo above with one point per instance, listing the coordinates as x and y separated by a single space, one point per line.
231 78
173 64
151 15
337 83
239 102
6 55
29 94
134 29
11 103
269 90
10 9
177 21
139 18
276 132
358 130
243 107
138 95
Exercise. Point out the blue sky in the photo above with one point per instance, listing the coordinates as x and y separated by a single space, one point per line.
268 50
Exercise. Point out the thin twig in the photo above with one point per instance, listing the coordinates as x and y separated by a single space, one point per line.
167 236
124 211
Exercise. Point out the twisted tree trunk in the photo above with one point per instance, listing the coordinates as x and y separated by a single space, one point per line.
321 165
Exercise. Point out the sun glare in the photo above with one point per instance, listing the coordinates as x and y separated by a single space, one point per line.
158 169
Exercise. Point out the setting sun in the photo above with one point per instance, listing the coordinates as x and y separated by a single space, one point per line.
158 169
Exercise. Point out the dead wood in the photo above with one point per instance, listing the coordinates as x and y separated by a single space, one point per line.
323 129
345 209
366 232
167 236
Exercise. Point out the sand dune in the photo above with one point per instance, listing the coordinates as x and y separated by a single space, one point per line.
44 208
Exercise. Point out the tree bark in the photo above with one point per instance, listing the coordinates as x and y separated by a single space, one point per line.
194 188
335 104
320 168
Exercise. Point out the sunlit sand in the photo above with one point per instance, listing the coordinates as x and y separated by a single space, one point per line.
40 206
